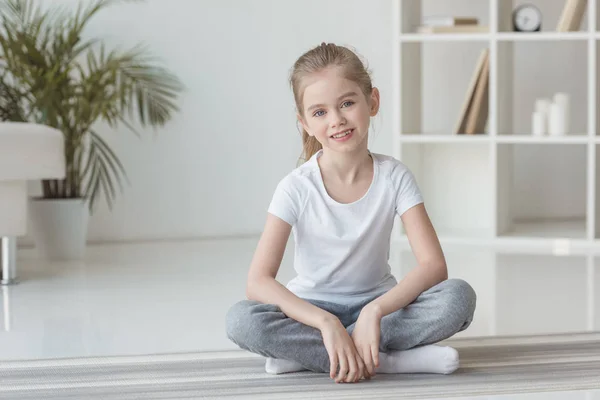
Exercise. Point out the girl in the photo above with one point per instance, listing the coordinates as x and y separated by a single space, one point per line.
345 313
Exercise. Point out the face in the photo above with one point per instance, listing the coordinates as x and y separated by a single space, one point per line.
336 111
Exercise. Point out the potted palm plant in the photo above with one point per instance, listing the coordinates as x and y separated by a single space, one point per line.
50 74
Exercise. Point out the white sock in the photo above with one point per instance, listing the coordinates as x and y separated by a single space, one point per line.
430 359
278 366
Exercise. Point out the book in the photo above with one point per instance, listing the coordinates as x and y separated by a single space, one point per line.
478 112
466 107
453 29
572 15
441 20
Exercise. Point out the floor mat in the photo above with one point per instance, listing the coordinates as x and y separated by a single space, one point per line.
489 365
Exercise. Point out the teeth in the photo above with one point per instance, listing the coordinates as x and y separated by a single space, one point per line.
341 135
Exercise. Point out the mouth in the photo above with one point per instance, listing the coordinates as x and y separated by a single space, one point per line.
344 135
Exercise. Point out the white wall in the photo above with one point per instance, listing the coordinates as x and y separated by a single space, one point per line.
212 171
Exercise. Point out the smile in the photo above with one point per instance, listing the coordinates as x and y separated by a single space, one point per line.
342 135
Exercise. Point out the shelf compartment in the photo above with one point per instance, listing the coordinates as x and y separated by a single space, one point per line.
434 85
523 76
515 305
550 200
551 15
413 12
454 176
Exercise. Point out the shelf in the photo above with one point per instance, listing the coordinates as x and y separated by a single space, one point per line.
434 78
542 190
551 15
541 36
443 138
463 187
499 36
539 70
444 37
502 139
565 229
502 186
568 139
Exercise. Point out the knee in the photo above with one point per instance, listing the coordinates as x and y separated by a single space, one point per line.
461 299
243 322
237 320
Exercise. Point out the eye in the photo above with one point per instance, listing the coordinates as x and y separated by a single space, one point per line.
347 103
316 113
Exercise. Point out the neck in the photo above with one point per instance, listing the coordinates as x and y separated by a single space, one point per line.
346 167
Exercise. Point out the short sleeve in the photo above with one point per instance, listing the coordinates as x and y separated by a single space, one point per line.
286 201
406 189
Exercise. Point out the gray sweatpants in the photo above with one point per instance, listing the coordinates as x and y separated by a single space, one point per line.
435 315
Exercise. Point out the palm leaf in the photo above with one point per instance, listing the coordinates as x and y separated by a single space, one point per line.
103 168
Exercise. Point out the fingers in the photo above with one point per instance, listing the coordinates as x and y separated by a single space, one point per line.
368 359
375 356
362 369
333 361
353 373
343 368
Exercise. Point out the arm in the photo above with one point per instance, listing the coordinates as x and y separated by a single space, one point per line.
431 268
262 285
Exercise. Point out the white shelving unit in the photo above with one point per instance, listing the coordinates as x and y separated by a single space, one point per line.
469 181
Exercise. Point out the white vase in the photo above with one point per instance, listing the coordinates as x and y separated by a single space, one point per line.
59 227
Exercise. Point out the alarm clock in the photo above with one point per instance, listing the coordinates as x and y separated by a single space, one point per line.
527 18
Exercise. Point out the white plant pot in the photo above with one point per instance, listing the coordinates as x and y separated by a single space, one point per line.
59 227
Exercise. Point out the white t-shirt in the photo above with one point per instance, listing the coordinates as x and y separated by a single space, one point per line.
342 250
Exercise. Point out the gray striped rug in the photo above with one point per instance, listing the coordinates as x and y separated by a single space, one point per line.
499 365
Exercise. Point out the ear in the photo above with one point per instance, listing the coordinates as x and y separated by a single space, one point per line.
374 102
303 123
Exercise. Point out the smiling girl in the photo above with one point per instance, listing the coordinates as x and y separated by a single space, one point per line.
345 313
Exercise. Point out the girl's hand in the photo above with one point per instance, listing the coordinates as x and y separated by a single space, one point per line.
342 352
366 336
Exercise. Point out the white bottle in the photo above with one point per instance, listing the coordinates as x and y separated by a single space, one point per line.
540 117
556 122
563 101
538 123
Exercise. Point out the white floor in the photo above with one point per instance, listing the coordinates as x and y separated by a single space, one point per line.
133 299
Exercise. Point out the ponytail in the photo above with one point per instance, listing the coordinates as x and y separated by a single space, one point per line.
310 146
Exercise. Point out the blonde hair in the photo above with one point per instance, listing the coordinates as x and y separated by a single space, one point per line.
315 60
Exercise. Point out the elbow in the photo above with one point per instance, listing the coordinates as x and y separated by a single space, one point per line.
250 290
442 272
252 287
437 272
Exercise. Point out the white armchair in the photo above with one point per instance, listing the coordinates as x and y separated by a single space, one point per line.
27 152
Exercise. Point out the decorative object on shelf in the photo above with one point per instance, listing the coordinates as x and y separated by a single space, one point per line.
558 123
448 20
551 116
454 29
538 123
539 118
527 18
572 15
451 24
474 112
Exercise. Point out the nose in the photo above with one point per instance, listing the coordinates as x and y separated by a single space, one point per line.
337 119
